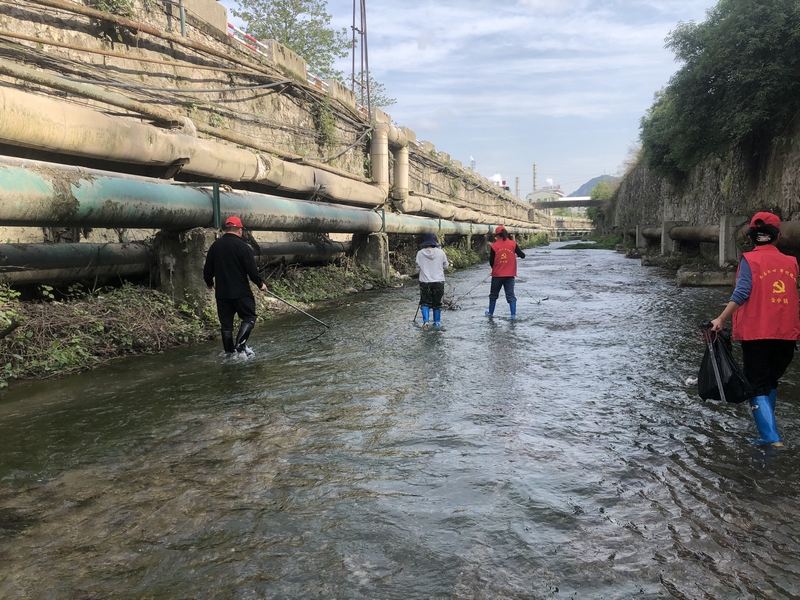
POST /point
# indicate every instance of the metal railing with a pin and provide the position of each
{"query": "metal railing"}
(255, 46)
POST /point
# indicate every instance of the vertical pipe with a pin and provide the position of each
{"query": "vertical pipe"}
(379, 155)
(400, 189)
(216, 206)
(183, 17)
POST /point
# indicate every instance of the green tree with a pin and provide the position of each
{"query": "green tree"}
(596, 215)
(739, 85)
(303, 26)
(377, 93)
(602, 191)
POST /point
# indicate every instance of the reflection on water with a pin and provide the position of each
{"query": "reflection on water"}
(557, 456)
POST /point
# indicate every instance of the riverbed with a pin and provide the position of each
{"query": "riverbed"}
(562, 455)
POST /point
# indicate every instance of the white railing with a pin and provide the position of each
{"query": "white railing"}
(256, 46)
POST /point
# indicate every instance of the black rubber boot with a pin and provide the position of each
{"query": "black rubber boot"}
(227, 341)
(244, 332)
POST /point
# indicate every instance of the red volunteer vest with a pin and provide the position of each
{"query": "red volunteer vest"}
(505, 262)
(771, 312)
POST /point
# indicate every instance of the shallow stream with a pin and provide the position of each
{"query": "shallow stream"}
(562, 455)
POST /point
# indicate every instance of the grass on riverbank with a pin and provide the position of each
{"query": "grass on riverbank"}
(67, 331)
(328, 282)
(48, 337)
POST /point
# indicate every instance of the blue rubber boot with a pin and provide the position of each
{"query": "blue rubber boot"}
(773, 396)
(492, 304)
(513, 307)
(437, 319)
(426, 315)
(765, 421)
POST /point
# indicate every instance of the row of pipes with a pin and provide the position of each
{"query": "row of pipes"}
(53, 125)
(788, 240)
(40, 194)
(45, 194)
(22, 264)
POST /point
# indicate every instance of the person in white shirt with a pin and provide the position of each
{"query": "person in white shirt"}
(432, 262)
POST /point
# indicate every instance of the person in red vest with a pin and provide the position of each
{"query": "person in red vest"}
(766, 319)
(503, 260)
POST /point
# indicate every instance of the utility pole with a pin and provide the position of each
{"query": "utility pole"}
(359, 82)
(534, 177)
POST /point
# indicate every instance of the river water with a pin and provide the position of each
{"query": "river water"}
(562, 455)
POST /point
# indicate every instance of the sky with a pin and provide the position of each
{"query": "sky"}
(509, 83)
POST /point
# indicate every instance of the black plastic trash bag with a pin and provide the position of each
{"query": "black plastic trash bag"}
(720, 376)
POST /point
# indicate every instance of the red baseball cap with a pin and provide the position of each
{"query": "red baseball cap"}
(767, 218)
(499, 229)
(234, 222)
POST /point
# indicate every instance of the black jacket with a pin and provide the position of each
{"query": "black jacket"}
(229, 263)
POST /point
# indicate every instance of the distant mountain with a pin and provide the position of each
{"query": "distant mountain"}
(587, 187)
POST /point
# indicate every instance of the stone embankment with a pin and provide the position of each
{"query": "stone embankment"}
(722, 192)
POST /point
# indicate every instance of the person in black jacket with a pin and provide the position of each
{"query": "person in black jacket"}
(229, 265)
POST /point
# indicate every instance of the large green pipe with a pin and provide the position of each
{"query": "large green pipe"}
(40, 194)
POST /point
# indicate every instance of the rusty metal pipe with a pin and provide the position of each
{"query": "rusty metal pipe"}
(652, 233)
(63, 263)
(59, 264)
(27, 257)
(789, 237)
(301, 253)
(705, 233)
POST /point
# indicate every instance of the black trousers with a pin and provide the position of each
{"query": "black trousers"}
(765, 362)
(431, 294)
(228, 307)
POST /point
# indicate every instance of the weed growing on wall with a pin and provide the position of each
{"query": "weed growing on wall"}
(117, 7)
(455, 187)
(298, 284)
(216, 120)
(460, 256)
(324, 123)
(9, 310)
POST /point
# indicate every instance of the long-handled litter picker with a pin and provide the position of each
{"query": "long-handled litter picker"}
(705, 328)
(298, 309)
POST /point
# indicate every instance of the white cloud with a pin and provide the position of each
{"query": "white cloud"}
(559, 82)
